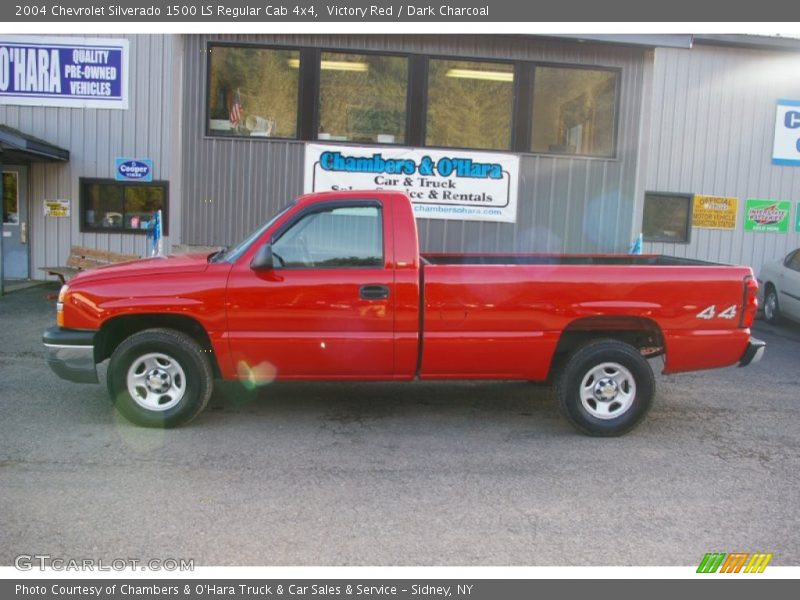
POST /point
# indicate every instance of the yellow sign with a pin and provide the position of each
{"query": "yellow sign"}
(56, 208)
(714, 212)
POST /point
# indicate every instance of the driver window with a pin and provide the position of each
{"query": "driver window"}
(346, 236)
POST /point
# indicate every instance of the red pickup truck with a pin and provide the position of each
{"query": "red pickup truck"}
(334, 287)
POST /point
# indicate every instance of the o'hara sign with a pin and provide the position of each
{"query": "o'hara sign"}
(67, 72)
(463, 185)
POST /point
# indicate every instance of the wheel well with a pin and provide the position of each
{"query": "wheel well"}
(115, 330)
(643, 334)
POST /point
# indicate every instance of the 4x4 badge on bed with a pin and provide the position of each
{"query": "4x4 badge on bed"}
(711, 312)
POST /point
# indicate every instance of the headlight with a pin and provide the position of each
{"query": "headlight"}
(62, 296)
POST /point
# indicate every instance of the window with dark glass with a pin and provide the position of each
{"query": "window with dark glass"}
(350, 236)
(470, 104)
(253, 91)
(10, 199)
(412, 100)
(574, 111)
(362, 98)
(667, 217)
(123, 207)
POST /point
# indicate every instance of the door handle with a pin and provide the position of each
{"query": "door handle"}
(373, 292)
(23, 232)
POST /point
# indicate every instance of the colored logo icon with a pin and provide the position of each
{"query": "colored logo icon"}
(735, 562)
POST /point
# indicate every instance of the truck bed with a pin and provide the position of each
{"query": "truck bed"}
(503, 315)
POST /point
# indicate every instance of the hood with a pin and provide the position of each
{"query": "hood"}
(158, 265)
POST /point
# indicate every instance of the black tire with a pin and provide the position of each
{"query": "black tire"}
(605, 388)
(772, 310)
(171, 360)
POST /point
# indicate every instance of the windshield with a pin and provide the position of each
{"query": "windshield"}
(240, 248)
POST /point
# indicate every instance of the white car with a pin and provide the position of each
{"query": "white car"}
(779, 288)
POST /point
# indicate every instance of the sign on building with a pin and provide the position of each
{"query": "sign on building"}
(767, 215)
(62, 71)
(442, 184)
(797, 217)
(786, 149)
(714, 212)
(56, 208)
(133, 169)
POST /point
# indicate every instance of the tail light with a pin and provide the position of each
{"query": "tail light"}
(750, 301)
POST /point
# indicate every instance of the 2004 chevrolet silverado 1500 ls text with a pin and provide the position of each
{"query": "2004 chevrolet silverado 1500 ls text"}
(334, 287)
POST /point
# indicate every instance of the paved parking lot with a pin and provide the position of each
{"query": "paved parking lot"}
(393, 474)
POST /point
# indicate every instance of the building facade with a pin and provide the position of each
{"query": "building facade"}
(511, 143)
(712, 132)
(93, 137)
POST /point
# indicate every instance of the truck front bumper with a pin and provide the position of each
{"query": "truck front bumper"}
(70, 354)
(753, 352)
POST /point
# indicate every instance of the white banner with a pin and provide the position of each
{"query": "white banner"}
(442, 184)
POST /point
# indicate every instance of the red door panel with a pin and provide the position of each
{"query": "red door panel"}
(322, 312)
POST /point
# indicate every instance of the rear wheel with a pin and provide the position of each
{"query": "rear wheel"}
(605, 388)
(159, 378)
(772, 312)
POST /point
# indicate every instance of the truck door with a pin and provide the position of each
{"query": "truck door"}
(326, 308)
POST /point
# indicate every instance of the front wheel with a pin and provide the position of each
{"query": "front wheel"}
(159, 378)
(605, 388)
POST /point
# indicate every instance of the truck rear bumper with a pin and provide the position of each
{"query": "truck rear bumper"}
(70, 354)
(753, 352)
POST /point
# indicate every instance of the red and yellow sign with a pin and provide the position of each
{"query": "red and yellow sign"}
(714, 212)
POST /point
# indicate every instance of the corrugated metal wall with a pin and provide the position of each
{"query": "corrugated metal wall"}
(95, 137)
(565, 204)
(712, 130)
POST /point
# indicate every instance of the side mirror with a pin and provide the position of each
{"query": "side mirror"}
(263, 260)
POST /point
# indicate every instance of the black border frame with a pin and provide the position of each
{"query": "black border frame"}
(521, 134)
(84, 181)
(690, 213)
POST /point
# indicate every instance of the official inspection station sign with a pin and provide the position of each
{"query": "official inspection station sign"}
(65, 72)
(442, 184)
(714, 212)
(56, 208)
(786, 148)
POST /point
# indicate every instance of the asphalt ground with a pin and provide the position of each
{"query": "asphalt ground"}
(397, 474)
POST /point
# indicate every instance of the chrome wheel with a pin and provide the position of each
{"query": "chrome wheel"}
(771, 306)
(607, 390)
(156, 381)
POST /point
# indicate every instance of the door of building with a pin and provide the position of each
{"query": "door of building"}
(15, 223)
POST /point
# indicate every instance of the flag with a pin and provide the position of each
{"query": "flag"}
(154, 238)
(236, 109)
(636, 247)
